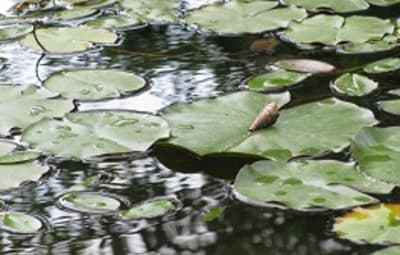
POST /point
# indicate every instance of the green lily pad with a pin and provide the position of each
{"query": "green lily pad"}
(377, 151)
(305, 66)
(114, 22)
(336, 5)
(9, 155)
(383, 66)
(384, 2)
(21, 106)
(67, 15)
(254, 16)
(155, 11)
(395, 250)
(12, 175)
(306, 184)
(19, 223)
(68, 39)
(148, 210)
(221, 126)
(276, 79)
(391, 106)
(87, 134)
(378, 224)
(10, 32)
(388, 42)
(94, 84)
(354, 85)
(336, 29)
(214, 214)
(89, 202)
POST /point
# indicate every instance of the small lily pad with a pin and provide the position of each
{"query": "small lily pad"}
(354, 85)
(276, 79)
(377, 151)
(94, 84)
(15, 31)
(89, 202)
(255, 16)
(68, 39)
(21, 106)
(305, 66)
(374, 225)
(148, 210)
(306, 184)
(19, 223)
(336, 5)
(383, 66)
(391, 106)
(83, 135)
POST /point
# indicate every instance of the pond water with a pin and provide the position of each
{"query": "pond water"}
(181, 66)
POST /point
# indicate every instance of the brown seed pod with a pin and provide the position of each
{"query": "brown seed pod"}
(267, 117)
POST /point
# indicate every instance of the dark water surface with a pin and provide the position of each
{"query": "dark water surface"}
(181, 66)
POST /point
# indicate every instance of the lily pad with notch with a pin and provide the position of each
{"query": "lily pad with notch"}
(276, 80)
(303, 185)
(354, 85)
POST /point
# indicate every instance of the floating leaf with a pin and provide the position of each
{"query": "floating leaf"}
(89, 202)
(383, 66)
(68, 39)
(392, 106)
(336, 5)
(114, 22)
(276, 79)
(306, 184)
(254, 16)
(19, 223)
(12, 175)
(336, 29)
(376, 224)
(94, 84)
(383, 2)
(305, 66)
(377, 151)
(10, 32)
(67, 15)
(387, 43)
(355, 85)
(155, 11)
(23, 106)
(395, 250)
(148, 210)
(221, 126)
(86, 134)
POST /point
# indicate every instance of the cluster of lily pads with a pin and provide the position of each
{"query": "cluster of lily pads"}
(289, 173)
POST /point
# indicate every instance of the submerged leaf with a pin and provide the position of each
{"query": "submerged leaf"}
(306, 184)
(84, 135)
(254, 16)
(354, 85)
(94, 84)
(149, 209)
(377, 224)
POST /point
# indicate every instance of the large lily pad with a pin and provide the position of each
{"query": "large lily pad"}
(336, 29)
(377, 151)
(86, 134)
(23, 106)
(375, 225)
(12, 175)
(250, 16)
(68, 39)
(14, 31)
(155, 11)
(383, 66)
(10, 155)
(94, 84)
(336, 5)
(306, 184)
(114, 22)
(355, 85)
(221, 126)
(275, 80)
